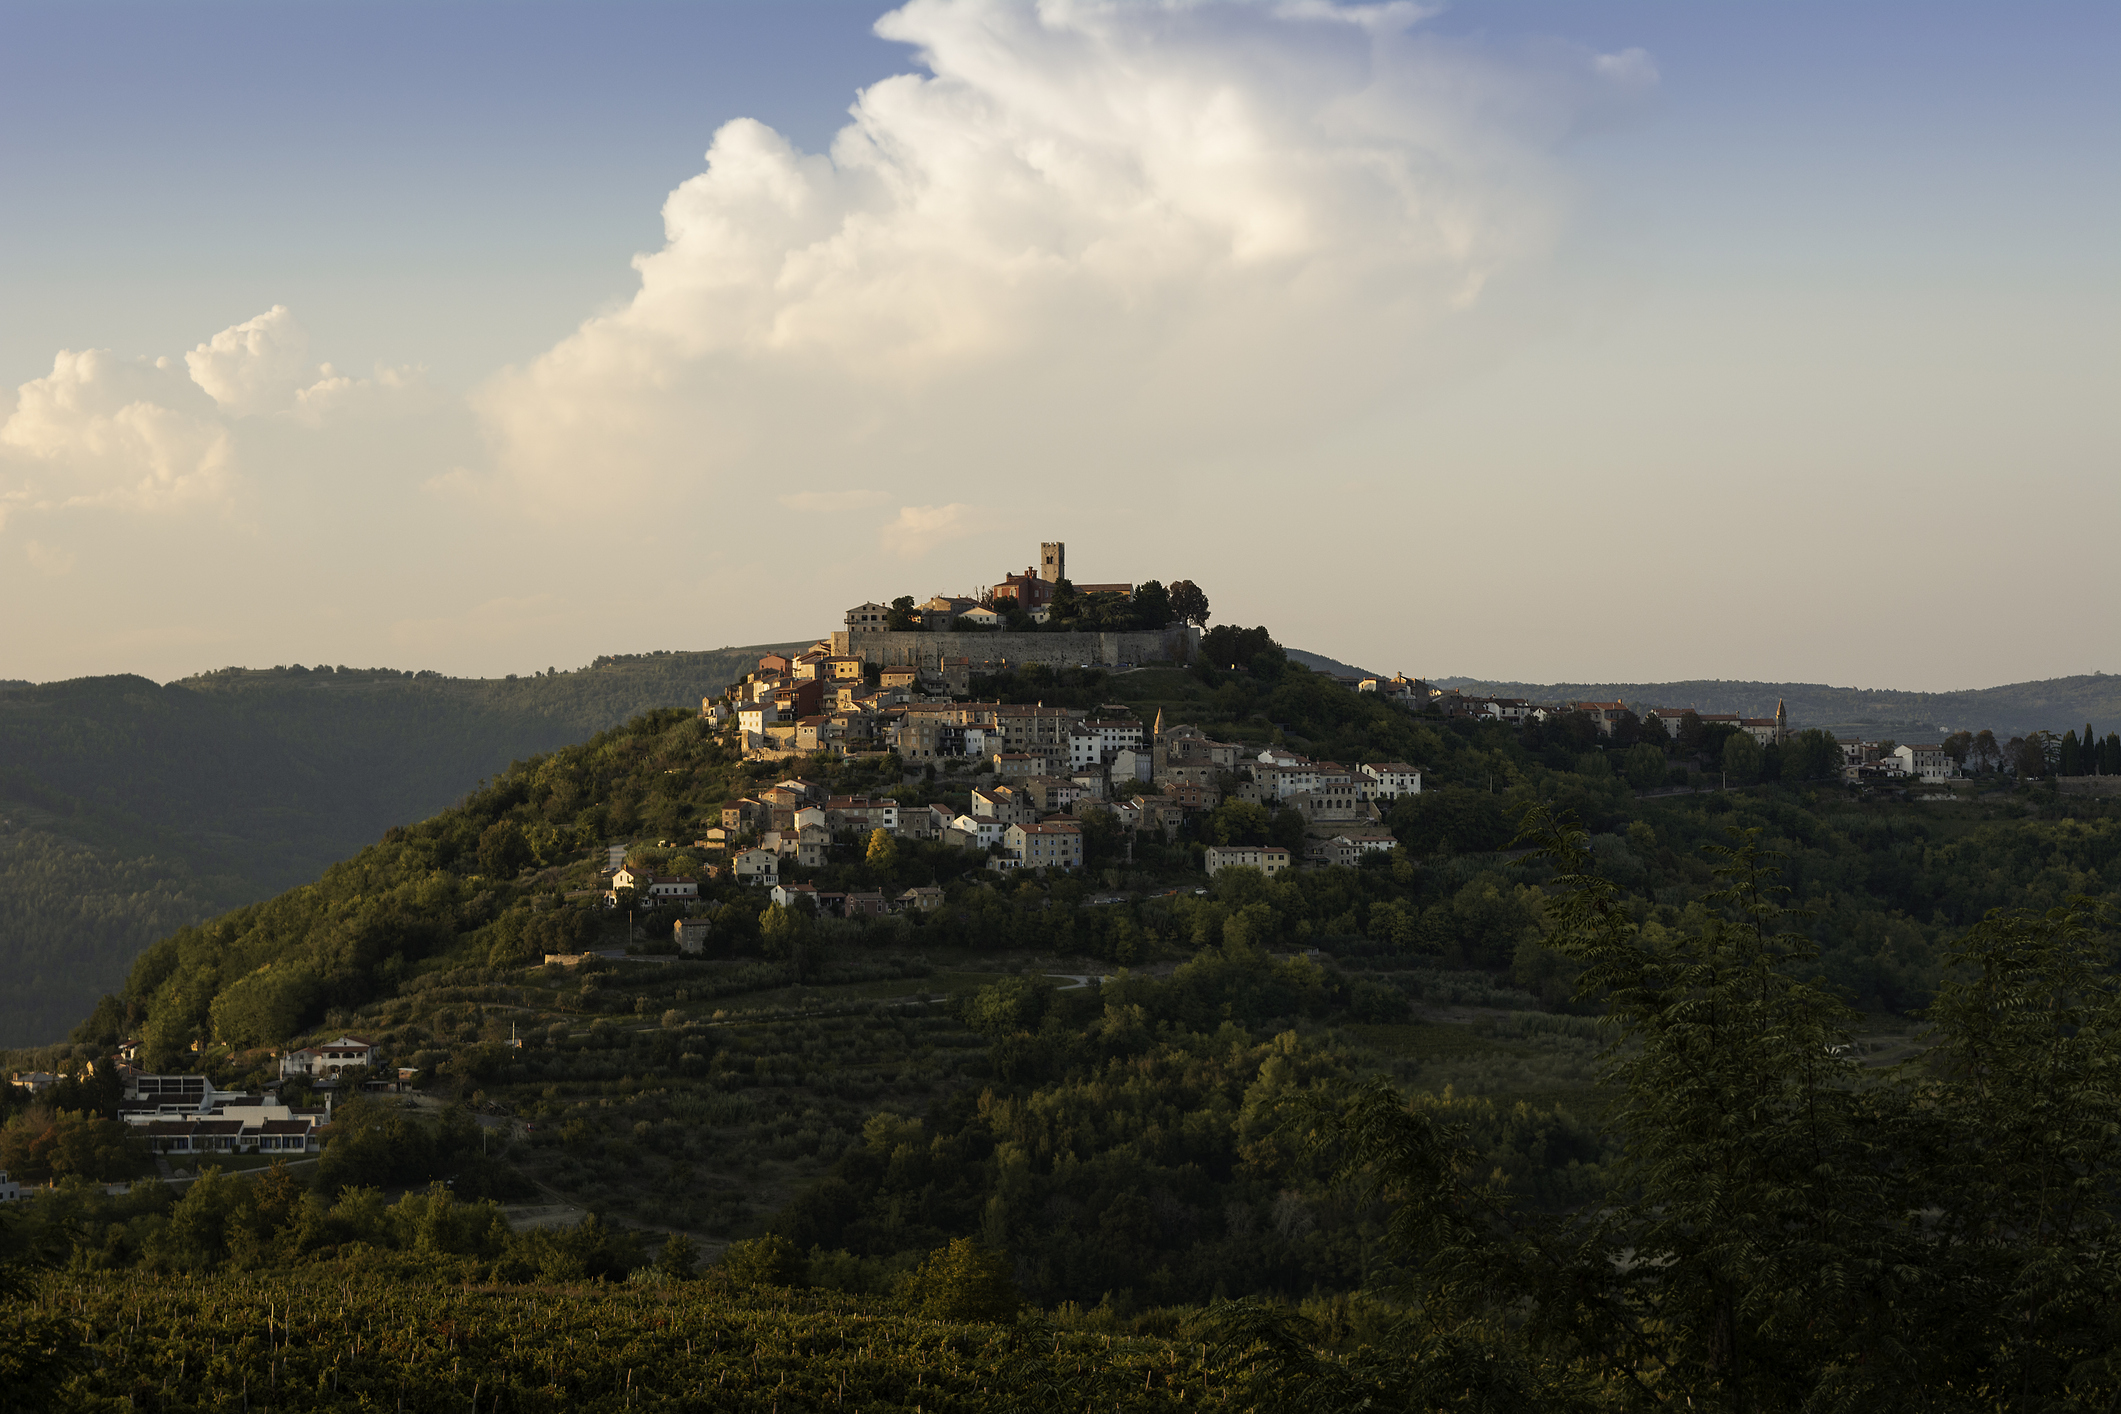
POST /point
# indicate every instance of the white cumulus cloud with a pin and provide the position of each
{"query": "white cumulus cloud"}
(153, 435)
(256, 366)
(100, 430)
(1086, 226)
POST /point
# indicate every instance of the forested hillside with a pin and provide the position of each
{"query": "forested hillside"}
(128, 808)
(2054, 704)
(1369, 1103)
(1886, 880)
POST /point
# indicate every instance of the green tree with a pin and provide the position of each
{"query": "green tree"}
(1784, 1229)
(882, 854)
(1189, 603)
(1742, 758)
(1239, 822)
(1250, 649)
(1644, 766)
(679, 1258)
(788, 935)
(503, 850)
(39, 1144)
(1985, 754)
(1103, 836)
(962, 1282)
(1693, 734)
(1811, 755)
(902, 618)
(771, 1260)
(1151, 607)
(1008, 1006)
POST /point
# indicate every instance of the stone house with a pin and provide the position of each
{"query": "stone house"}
(1045, 844)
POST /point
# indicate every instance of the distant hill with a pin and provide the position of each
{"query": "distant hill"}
(2056, 704)
(128, 808)
(1320, 663)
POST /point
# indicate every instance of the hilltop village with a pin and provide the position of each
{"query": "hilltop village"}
(899, 681)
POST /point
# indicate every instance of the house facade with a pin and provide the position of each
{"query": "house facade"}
(1388, 780)
(756, 866)
(1266, 858)
(1046, 844)
(327, 1059)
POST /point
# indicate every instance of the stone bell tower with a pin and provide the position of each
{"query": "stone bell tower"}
(1052, 561)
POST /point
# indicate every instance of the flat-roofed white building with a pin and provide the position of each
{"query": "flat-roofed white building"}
(1268, 859)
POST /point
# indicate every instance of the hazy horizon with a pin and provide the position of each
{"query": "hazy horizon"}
(1440, 678)
(1618, 343)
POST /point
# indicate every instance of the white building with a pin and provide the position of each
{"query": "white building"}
(1085, 748)
(1928, 763)
(657, 888)
(984, 832)
(1266, 858)
(1115, 734)
(1131, 764)
(756, 866)
(755, 717)
(1512, 710)
(1388, 780)
(327, 1059)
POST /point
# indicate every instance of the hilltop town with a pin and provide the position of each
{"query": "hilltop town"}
(899, 681)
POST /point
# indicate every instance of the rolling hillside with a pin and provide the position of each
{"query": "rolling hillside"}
(129, 808)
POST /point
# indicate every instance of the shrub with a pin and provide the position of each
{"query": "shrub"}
(764, 1261)
(962, 1282)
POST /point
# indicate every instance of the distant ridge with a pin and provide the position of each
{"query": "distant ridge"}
(2054, 704)
(1320, 663)
(129, 808)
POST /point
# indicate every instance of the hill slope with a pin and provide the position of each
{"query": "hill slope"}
(2055, 704)
(129, 808)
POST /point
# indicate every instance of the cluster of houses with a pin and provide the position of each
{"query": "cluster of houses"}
(1037, 770)
(1416, 695)
(186, 1115)
(1860, 758)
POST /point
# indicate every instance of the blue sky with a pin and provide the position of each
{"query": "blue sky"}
(1791, 351)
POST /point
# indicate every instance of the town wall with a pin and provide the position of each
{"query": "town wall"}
(990, 651)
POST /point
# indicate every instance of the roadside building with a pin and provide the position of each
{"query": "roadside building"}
(1266, 858)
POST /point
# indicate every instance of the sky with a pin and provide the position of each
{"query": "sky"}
(1536, 341)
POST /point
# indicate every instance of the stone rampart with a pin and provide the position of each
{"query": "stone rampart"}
(990, 651)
